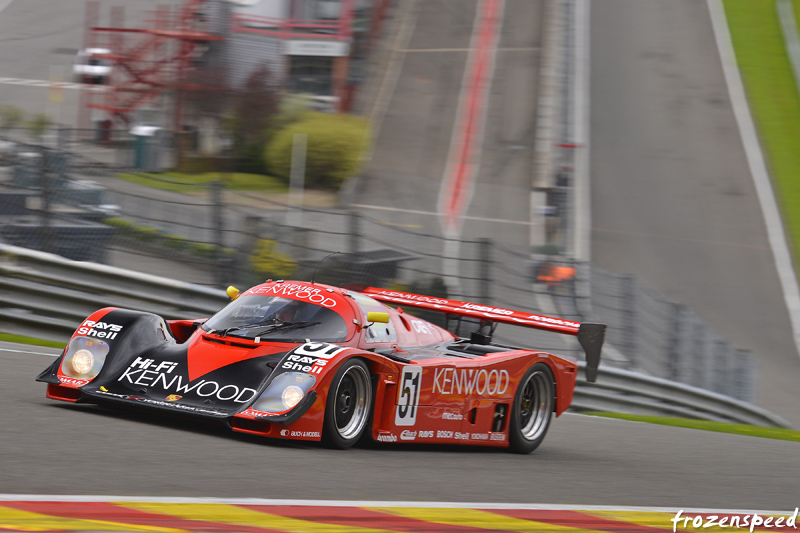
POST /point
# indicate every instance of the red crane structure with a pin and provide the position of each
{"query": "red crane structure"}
(162, 58)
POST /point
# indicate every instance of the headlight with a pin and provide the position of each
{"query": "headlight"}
(84, 358)
(291, 396)
(82, 362)
(285, 392)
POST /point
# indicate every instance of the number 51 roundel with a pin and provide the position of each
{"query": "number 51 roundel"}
(408, 396)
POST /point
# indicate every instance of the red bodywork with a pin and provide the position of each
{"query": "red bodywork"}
(433, 396)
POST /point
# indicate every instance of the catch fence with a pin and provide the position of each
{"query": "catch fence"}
(59, 201)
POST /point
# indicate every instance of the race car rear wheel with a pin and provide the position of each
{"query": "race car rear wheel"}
(348, 406)
(532, 409)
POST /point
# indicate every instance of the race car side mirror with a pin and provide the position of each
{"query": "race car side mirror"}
(377, 316)
(232, 292)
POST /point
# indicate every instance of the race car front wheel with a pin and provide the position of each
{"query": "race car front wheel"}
(348, 406)
(532, 409)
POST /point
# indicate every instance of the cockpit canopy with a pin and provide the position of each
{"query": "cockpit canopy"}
(277, 319)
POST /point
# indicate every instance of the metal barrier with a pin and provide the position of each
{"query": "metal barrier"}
(622, 391)
(46, 296)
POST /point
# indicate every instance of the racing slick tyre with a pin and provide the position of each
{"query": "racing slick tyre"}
(347, 410)
(532, 409)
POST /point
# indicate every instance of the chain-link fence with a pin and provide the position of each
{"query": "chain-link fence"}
(208, 235)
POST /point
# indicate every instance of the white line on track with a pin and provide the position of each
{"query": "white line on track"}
(758, 168)
(29, 352)
(432, 214)
(363, 503)
(395, 66)
(583, 197)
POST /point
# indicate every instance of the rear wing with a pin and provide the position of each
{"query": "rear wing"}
(590, 335)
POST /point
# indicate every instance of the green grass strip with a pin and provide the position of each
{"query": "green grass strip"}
(194, 183)
(720, 427)
(773, 97)
(20, 339)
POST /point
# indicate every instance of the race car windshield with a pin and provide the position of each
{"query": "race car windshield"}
(275, 318)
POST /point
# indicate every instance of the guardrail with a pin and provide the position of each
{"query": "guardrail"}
(623, 391)
(46, 296)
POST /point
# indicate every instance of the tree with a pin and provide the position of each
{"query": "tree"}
(255, 106)
(335, 148)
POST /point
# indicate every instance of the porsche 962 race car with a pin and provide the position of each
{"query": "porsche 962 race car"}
(307, 361)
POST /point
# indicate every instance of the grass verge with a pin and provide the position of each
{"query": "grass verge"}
(20, 339)
(188, 183)
(736, 429)
(773, 97)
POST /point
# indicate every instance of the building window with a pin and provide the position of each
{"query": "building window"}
(311, 75)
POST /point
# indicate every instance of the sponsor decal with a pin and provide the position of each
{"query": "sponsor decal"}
(408, 435)
(440, 434)
(426, 434)
(461, 436)
(298, 292)
(173, 398)
(311, 357)
(487, 309)
(73, 381)
(497, 436)
(554, 321)
(101, 330)
(306, 434)
(447, 415)
(179, 406)
(255, 412)
(319, 349)
(479, 436)
(421, 327)
(408, 396)
(146, 373)
(387, 438)
(414, 297)
(469, 380)
(105, 392)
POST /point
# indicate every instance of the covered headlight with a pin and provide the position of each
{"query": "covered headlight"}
(285, 392)
(82, 362)
(291, 396)
(84, 358)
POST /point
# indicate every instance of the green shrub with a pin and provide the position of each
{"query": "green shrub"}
(37, 125)
(10, 116)
(268, 262)
(120, 223)
(335, 148)
(203, 249)
(147, 233)
(175, 242)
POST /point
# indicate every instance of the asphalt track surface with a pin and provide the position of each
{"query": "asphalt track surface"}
(409, 159)
(50, 447)
(672, 197)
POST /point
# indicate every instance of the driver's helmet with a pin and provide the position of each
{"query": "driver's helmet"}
(288, 312)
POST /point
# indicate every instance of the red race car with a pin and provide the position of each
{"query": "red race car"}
(307, 361)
